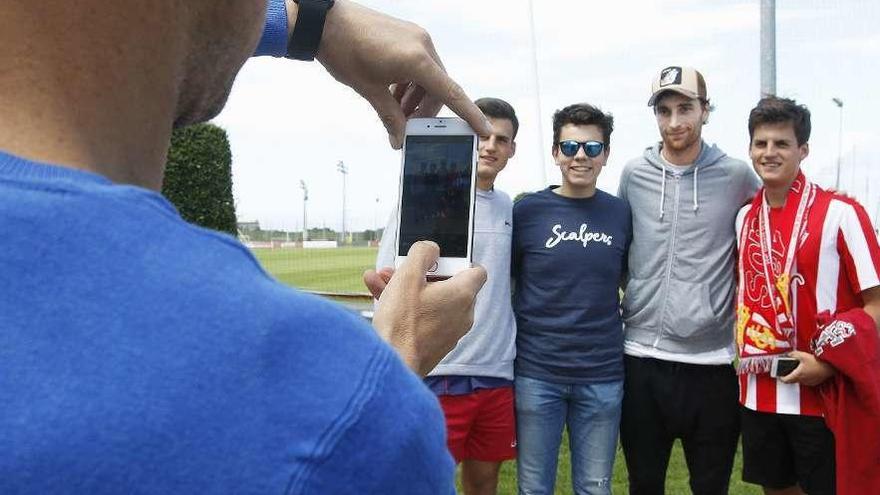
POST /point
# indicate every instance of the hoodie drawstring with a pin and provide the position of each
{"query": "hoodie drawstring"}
(662, 186)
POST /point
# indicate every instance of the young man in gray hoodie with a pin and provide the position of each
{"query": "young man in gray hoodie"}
(678, 301)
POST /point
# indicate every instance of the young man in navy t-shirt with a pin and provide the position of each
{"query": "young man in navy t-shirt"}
(569, 254)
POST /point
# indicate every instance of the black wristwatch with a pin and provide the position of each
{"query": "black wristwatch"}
(306, 36)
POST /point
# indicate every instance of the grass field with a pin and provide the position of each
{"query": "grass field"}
(323, 270)
(676, 478)
(340, 270)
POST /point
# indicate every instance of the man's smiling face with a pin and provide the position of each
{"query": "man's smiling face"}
(580, 171)
(776, 155)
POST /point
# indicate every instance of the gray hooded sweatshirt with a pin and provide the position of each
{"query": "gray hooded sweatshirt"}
(680, 289)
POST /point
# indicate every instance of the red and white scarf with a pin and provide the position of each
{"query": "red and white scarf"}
(765, 324)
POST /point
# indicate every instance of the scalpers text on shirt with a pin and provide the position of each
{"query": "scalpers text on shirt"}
(582, 236)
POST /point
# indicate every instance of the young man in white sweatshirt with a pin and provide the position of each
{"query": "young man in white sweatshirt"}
(474, 382)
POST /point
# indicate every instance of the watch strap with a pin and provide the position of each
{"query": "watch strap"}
(306, 36)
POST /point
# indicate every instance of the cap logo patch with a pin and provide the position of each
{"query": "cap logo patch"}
(670, 75)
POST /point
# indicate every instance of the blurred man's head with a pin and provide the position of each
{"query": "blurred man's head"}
(98, 86)
(223, 35)
(181, 53)
(779, 134)
(681, 106)
(496, 149)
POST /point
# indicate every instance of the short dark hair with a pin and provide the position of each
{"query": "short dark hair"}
(583, 114)
(498, 109)
(776, 110)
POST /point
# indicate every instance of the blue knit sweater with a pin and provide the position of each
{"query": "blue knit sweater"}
(140, 354)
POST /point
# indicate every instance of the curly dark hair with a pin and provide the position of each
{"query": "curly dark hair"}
(583, 114)
(776, 110)
(498, 109)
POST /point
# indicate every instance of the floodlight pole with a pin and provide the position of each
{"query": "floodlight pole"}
(305, 189)
(768, 48)
(539, 112)
(342, 169)
(839, 103)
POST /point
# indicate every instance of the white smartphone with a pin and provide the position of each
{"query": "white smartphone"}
(782, 366)
(437, 187)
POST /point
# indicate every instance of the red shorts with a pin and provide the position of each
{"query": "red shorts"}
(481, 425)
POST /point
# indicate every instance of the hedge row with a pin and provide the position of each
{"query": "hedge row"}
(198, 177)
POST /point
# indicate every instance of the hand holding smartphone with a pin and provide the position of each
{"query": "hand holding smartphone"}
(424, 321)
(783, 366)
(437, 188)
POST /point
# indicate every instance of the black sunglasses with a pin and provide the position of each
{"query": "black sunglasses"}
(591, 148)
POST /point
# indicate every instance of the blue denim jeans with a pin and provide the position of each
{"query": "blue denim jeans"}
(592, 414)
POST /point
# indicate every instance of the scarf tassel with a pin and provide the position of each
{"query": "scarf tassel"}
(755, 365)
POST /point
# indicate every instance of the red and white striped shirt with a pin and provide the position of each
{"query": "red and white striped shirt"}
(839, 259)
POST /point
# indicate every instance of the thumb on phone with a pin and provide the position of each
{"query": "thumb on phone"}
(423, 321)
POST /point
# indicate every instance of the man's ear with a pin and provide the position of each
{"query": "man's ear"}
(805, 151)
(512, 148)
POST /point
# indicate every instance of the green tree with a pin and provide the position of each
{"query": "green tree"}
(521, 196)
(198, 177)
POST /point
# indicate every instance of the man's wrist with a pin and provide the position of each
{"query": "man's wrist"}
(306, 22)
(413, 363)
(406, 353)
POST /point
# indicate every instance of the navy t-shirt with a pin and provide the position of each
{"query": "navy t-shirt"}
(569, 255)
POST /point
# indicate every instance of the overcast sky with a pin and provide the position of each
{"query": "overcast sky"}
(290, 121)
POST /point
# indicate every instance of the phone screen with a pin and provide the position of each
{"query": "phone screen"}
(784, 366)
(436, 196)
